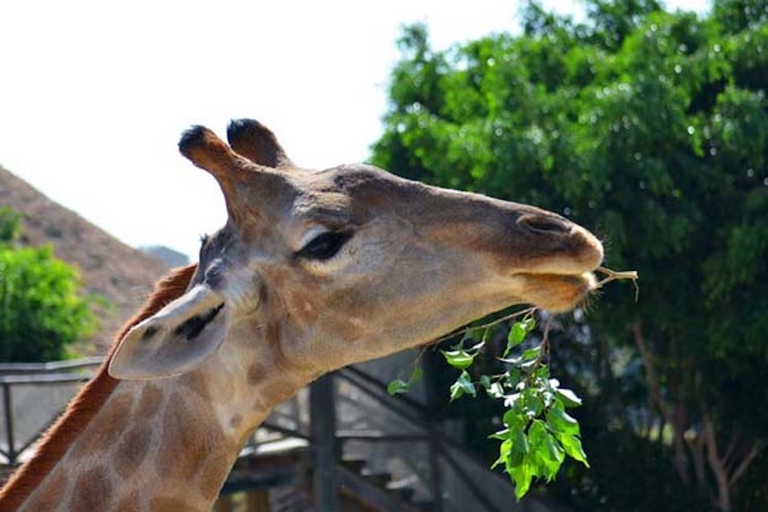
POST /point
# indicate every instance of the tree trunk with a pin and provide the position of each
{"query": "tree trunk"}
(723, 499)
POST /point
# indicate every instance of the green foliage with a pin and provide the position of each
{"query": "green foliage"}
(399, 386)
(650, 128)
(537, 433)
(41, 310)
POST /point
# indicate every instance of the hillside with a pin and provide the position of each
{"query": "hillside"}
(121, 274)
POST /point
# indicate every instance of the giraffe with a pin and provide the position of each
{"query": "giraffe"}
(314, 270)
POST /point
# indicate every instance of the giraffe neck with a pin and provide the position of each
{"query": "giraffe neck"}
(155, 446)
(161, 446)
(152, 447)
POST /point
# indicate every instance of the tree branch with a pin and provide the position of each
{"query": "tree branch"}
(729, 452)
(715, 463)
(650, 370)
(696, 446)
(675, 417)
(754, 451)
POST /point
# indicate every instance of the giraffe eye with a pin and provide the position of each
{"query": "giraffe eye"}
(325, 246)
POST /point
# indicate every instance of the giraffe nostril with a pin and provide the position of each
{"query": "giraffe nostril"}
(545, 224)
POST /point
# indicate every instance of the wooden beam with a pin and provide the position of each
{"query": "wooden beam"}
(258, 501)
(322, 410)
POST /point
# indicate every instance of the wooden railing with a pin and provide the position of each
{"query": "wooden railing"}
(46, 375)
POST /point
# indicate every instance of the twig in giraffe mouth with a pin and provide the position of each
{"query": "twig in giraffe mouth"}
(612, 275)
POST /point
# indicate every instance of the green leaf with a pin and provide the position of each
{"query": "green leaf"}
(462, 385)
(460, 359)
(547, 453)
(533, 401)
(522, 476)
(519, 447)
(501, 435)
(560, 421)
(416, 375)
(485, 381)
(496, 390)
(515, 337)
(504, 448)
(572, 446)
(512, 378)
(529, 324)
(569, 398)
(515, 419)
(532, 353)
(513, 449)
(397, 386)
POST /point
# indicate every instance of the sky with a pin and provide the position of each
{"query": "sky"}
(94, 94)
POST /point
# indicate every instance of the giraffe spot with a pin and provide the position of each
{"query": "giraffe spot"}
(47, 497)
(171, 504)
(197, 383)
(189, 437)
(274, 333)
(92, 490)
(132, 450)
(235, 421)
(105, 428)
(151, 396)
(255, 373)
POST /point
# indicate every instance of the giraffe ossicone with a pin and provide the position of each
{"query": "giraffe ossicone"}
(314, 270)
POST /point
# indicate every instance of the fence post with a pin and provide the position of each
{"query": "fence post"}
(434, 446)
(9, 424)
(322, 409)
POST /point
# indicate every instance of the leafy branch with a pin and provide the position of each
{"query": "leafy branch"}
(537, 432)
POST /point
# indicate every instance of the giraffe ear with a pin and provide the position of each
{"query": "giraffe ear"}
(175, 340)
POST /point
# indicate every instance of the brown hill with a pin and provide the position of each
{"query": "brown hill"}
(109, 268)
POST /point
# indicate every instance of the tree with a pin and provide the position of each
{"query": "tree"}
(41, 309)
(651, 128)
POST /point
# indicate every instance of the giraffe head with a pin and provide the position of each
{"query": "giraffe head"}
(346, 264)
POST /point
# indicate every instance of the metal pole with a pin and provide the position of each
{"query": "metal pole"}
(322, 409)
(434, 446)
(9, 424)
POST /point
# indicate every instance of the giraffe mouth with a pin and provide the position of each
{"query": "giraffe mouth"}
(557, 293)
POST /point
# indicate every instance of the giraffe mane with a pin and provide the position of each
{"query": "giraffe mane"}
(87, 402)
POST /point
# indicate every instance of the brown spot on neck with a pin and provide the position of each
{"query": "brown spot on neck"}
(92, 488)
(86, 404)
(235, 421)
(255, 373)
(132, 450)
(151, 397)
(197, 383)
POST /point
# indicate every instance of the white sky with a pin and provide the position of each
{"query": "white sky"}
(94, 94)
